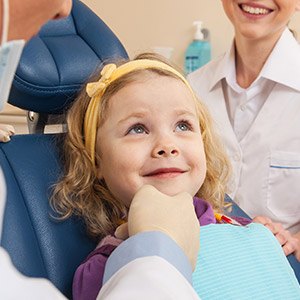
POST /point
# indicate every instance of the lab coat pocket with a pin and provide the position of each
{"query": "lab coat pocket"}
(283, 197)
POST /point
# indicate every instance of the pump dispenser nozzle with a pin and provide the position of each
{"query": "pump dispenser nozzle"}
(198, 51)
(198, 32)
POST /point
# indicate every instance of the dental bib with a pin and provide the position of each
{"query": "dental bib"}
(237, 262)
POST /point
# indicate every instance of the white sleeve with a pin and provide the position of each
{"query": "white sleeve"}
(14, 285)
(146, 278)
(148, 265)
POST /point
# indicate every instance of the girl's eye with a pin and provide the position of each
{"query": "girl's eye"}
(137, 129)
(183, 126)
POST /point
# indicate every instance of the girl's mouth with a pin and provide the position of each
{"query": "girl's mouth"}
(254, 10)
(165, 173)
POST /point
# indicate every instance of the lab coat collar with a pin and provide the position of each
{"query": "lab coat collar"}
(283, 64)
(226, 67)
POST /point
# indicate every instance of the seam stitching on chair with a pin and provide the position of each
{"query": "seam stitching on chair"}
(53, 90)
(55, 63)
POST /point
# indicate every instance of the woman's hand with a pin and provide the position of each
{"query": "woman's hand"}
(6, 131)
(290, 242)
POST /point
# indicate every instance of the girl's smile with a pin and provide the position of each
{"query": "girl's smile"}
(165, 173)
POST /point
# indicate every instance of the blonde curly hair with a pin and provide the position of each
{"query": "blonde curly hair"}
(79, 191)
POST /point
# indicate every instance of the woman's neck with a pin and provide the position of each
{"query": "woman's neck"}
(250, 58)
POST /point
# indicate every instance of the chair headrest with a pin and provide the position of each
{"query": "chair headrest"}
(55, 63)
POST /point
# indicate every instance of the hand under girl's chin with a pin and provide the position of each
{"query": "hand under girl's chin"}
(170, 190)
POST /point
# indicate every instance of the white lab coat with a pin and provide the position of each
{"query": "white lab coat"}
(148, 278)
(266, 162)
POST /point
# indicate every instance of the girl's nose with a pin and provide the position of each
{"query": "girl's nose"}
(165, 150)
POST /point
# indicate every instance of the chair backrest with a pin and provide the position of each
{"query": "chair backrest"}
(53, 68)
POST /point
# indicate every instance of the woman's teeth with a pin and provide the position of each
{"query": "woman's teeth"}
(254, 10)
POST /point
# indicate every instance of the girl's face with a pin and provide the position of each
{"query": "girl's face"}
(260, 19)
(151, 136)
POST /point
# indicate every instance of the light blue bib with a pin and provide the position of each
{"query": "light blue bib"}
(242, 263)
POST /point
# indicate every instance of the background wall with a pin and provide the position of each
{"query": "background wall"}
(143, 24)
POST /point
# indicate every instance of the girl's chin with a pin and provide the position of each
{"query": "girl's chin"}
(171, 191)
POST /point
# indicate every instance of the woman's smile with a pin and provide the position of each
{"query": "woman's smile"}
(255, 11)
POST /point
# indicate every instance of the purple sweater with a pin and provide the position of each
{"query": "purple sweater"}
(88, 277)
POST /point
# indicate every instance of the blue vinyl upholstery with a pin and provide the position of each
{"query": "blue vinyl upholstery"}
(39, 245)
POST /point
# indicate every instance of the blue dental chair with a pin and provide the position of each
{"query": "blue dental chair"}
(54, 66)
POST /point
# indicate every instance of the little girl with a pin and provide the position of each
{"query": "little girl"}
(140, 123)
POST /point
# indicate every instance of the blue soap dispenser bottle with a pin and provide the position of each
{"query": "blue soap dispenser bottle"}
(198, 53)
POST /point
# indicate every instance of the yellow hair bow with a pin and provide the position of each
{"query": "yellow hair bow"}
(94, 89)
